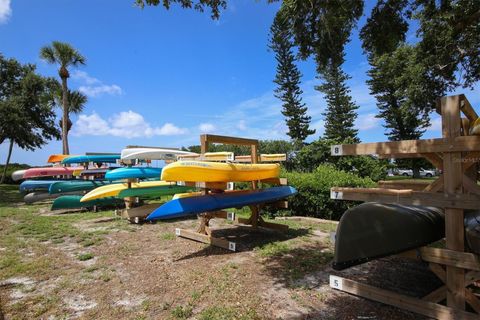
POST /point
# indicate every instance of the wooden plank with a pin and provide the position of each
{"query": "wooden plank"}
(469, 160)
(426, 308)
(467, 109)
(273, 157)
(276, 181)
(434, 159)
(401, 156)
(437, 295)
(399, 184)
(211, 138)
(439, 145)
(218, 242)
(435, 186)
(470, 186)
(454, 224)
(472, 300)
(407, 197)
(447, 257)
(465, 127)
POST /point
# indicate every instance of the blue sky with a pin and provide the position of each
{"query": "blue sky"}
(160, 78)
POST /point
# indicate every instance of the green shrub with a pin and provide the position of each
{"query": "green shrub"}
(11, 168)
(313, 197)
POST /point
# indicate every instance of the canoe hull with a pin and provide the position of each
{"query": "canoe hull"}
(203, 171)
(32, 185)
(151, 154)
(133, 173)
(107, 158)
(75, 185)
(374, 230)
(49, 172)
(472, 231)
(40, 196)
(18, 175)
(212, 202)
(153, 192)
(73, 202)
(114, 189)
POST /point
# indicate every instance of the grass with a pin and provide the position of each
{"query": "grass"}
(182, 312)
(273, 249)
(85, 256)
(227, 313)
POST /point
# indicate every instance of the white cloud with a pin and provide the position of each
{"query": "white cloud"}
(5, 11)
(367, 121)
(206, 127)
(82, 75)
(93, 87)
(126, 124)
(242, 125)
(95, 91)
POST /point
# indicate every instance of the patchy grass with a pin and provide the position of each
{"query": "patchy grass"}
(85, 256)
(167, 236)
(273, 249)
(182, 312)
(227, 313)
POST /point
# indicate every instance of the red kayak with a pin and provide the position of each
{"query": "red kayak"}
(49, 172)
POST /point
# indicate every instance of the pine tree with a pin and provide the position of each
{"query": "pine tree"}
(341, 112)
(288, 81)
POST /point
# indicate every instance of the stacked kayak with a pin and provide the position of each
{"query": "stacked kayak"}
(194, 204)
(133, 173)
(203, 171)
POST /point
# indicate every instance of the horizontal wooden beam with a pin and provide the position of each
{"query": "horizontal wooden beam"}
(407, 197)
(426, 308)
(457, 144)
(467, 109)
(416, 185)
(465, 260)
(211, 138)
(218, 242)
(166, 148)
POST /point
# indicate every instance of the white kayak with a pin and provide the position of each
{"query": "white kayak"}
(33, 197)
(152, 154)
(18, 175)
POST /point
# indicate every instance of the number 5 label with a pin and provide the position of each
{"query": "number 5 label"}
(336, 282)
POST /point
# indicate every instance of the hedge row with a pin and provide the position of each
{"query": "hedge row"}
(313, 197)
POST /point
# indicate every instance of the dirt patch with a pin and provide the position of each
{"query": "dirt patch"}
(146, 272)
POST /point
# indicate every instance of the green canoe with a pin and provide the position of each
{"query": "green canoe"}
(73, 202)
(76, 185)
(152, 192)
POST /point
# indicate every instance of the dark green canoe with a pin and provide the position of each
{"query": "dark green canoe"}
(73, 202)
(152, 192)
(76, 185)
(374, 230)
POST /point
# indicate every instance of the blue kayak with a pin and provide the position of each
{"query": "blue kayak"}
(31, 185)
(197, 204)
(133, 172)
(97, 158)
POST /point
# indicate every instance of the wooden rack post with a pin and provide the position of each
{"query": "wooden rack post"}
(457, 155)
(203, 232)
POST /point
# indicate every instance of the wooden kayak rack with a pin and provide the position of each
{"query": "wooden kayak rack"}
(457, 154)
(203, 233)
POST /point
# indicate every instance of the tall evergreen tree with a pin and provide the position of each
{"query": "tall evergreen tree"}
(288, 81)
(340, 113)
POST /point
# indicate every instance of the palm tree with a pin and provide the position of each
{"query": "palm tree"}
(76, 103)
(64, 55)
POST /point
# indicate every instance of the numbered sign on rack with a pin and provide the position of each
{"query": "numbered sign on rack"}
(336, 195)
(336, 150)
(336, 282)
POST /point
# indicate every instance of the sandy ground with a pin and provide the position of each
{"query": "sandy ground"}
(145, 272)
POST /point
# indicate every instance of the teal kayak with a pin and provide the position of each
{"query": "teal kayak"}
(73, 202)
(98, 158)
(75, 185)
(133, 173)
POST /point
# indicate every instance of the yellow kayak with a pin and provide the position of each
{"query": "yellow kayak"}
(112, 190)
(203, 171)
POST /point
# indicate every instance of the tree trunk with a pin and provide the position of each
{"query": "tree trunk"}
(10, 148)
(65, 116)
